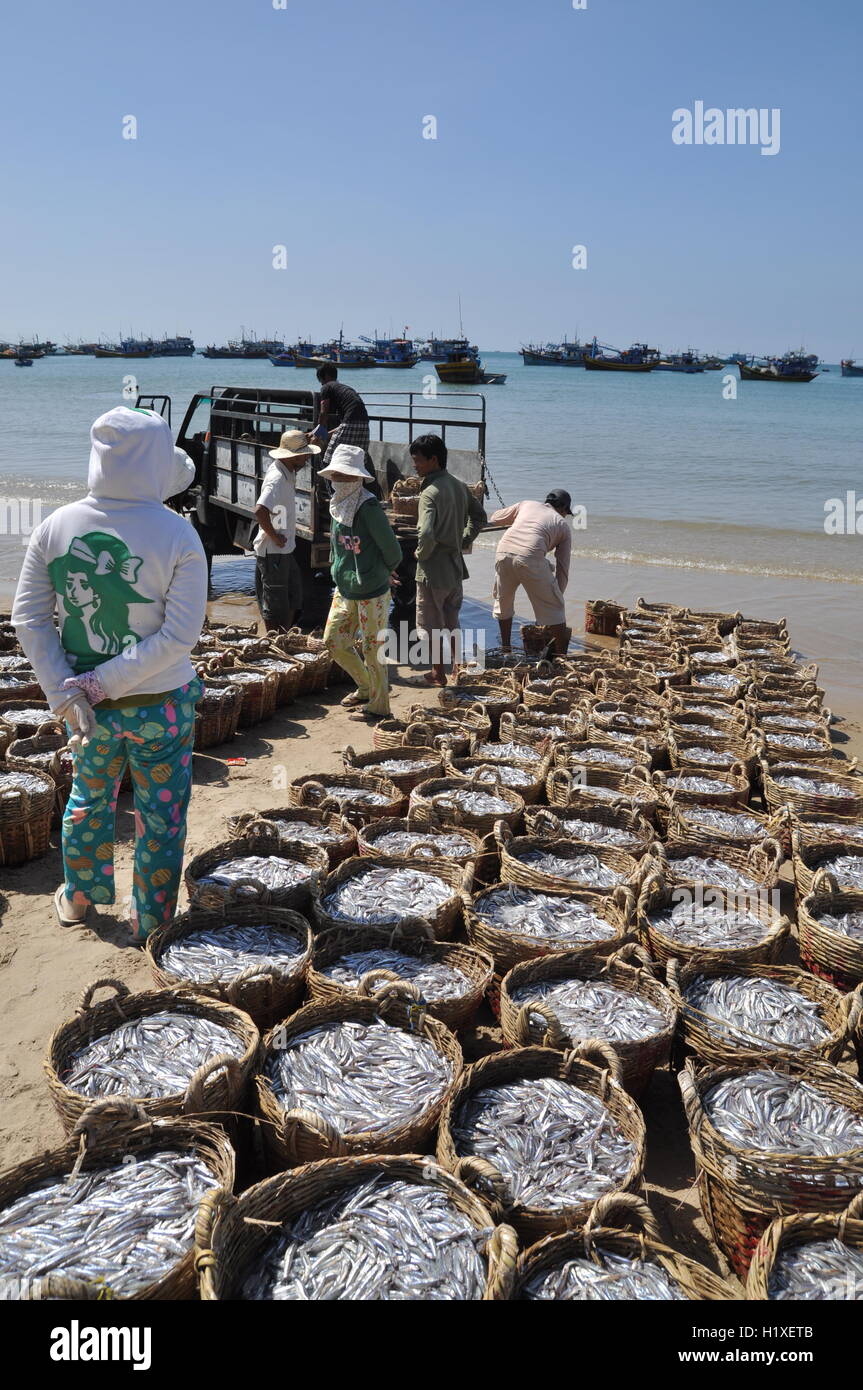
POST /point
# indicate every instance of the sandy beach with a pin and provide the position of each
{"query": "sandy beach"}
(45, 969)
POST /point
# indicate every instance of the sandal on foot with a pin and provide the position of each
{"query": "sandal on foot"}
(63, 920)
(354, 699)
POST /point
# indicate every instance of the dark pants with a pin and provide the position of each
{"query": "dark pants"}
(279, 588)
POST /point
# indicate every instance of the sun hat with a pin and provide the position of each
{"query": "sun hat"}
(560, 499)
(348, 460)
(293, 442)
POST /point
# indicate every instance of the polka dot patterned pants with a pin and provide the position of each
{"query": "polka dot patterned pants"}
(156, 741)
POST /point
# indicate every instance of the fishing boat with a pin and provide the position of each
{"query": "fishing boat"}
(638, 358)
(174, 347)
(393, 352)
(713, 364)
(442, 349)
(563, 354)
(23, 361)
(107, 350)
(850, 367)
(687, 362)
(467, 371)
(792, 366)
(247, 349)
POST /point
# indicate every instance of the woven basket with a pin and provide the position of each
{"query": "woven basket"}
(314, 789)
(812, 861)
(488, 773)
(630, 970)
(655, 898)
(315, 664)
(743, 1190)
(263, 993)
(215, 896)
(545, 825)
(20, 685)
(217, 1087)
(635, 789)
(571, 754)
(696, 693)
(446, 918)
(25, 818)
(732, 788)
(273, 821)
(681, 826)
(592, 1067)
(231, 1241)
(230, 632)
(287, 672)
(433, 800)
(604, 1232)
(537, 637)
(830, 954)
(260, 690)
(510, 948)
(298, 1136)
(807, 826)
(429, 763)
(369, 835)
(495, 693)
(456, 1011)
(513, 869)
(760, 627)
(790, 1232)
(761, 863)
(111, 1132)
(405, 500)
(538, 727)
(849, 803)
(46, 751)
(734, 753)
(10, 717)
(771, 749)
(217, 717)
(602, 616)
(840, 1013)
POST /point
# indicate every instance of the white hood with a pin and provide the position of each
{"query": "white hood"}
(184, 474)
(132, 457)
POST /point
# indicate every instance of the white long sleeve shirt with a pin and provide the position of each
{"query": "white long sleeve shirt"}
(534, 529)
(125, 577)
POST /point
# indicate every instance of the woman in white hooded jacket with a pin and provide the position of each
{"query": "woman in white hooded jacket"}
(127, 581)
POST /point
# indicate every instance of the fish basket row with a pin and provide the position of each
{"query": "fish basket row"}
(810, 1256)
(771, 1139)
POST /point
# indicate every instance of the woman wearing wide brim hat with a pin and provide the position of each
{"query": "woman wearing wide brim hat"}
(364, 553)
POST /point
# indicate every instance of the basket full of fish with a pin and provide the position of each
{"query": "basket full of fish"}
(26, 809)
(367, 892)
(731, 1011)
(325, 829)
(114, 1207)
(721, 865)
(447, 978)
(250, 955)
(728, 787)
(542, 1134)
(171, 1050)
(473, 802)
(723, 825)
(360, 1229)
(707, 921)
(46, 751)
(357, 1074)
(533, 862)
(828, 789)
(405, 767)
(359, 796)
(810, 1257)
(260, 867)
(830, 933)
(397, 838)
(771, 1138)
(616, 1255)
(835, 866)
(632, 791)
(592, 824)
(562, 1000)
(217, 713)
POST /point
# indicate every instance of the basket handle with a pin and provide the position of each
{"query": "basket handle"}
(295, 1121)
(49, 729)
(824, 882)
(262, 894)
(501, 1253)
(546, 823)
(554, 1035)
(312, 786)
(598, 1053)
(689, 1095)
(375, 982)
(672, 975)
(121, 991)
(412, 927)
(349, 756)
(634, 956)
(193, 1101)
(737, 769)
(422, 845)
(503, 834)
(853, 1211)
(650, 884)
(473, 1170)
(852, 1007)
(617, 1210)
(248, 823)
(122, 1109)
(624, 900)
(210, 1209)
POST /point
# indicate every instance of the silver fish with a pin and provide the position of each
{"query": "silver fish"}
(606, 1276)
(555, 1145)
(13, 780)
(595, 833)
(126, 1224)
(779, 1114)
(474, 803)
(816, 786)
(306, 831)
(526, 912)
(357, 796)
(818, 1270)
(689, 782)
(151, 1057)
(222, 953)
(715, 927)
(379, 1239)
(382, 894)
(716, 757)
(508, 752)
(833, 830)
(269, 871)
(847, 869)
(403, 765)
(739, 824)
(696, 868)
(755, 1012)
(434, 978)
(585, 869)
(361, 1077)
(847, 923)
(450, 844)
(592, 1009)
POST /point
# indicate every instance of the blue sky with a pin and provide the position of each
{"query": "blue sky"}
(303, 127)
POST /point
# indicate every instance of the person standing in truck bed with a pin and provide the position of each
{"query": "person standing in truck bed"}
(342, 414)
(534, 529)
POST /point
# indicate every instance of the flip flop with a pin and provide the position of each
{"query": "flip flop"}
(367, 716)
(66, 921)
(351, 701)
(426, 682)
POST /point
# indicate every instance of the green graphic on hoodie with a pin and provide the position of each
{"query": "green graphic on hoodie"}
(94, 582)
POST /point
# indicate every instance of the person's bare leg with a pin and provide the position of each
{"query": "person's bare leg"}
(505, 625)
(561, 637)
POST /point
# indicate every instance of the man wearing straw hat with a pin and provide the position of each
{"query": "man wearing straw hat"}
(278, 581)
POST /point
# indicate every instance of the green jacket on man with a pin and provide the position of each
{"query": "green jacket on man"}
(450, 519)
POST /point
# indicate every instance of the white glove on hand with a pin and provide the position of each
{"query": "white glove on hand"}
(80, 717)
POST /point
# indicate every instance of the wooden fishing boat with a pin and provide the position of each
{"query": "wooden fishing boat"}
(850, 367)
(563, 354)
(687, 362)
(794, 366)
(468, 371)
(638, 358)
(23, 361)
(612, 364)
